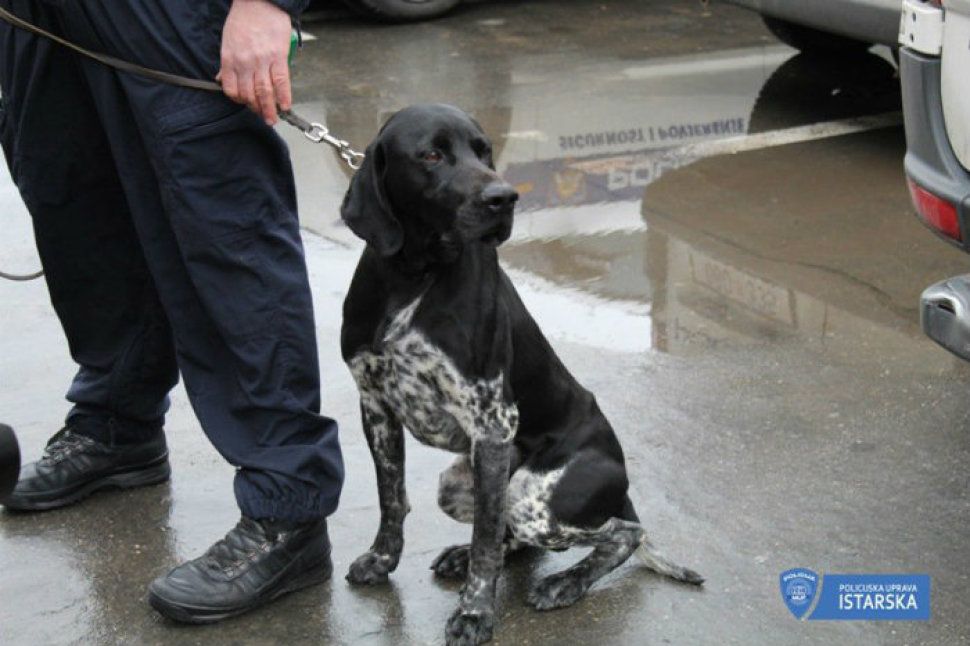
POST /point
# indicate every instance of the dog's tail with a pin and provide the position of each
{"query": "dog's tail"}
(652, 558)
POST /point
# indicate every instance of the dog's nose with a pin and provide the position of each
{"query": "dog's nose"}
(499, 196)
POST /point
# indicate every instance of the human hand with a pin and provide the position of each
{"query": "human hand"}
(255, 46)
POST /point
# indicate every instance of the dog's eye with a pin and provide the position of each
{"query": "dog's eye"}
(432, 156)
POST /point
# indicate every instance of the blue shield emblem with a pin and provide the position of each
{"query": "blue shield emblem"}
(798, 588)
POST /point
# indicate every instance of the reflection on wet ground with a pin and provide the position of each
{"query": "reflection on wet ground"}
(583, 222)
(747, 321)
(583, 132)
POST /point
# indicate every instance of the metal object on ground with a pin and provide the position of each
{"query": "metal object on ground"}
(945, 314)
(9, 461)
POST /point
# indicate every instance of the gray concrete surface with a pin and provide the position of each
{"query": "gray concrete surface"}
(748, 323)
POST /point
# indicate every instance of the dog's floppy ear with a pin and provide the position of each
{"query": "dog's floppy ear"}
(365, 208)
(491, 161)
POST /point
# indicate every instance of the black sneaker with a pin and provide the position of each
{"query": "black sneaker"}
(75, 466)
(257, 562)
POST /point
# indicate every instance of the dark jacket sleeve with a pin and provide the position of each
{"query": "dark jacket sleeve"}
(292, 7)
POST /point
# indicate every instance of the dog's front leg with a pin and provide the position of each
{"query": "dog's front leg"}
(473, 620)
(385, 437)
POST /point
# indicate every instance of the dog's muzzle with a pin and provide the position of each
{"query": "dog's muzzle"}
(499, 199)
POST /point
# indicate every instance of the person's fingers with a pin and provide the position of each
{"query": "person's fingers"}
(230, 84)
(265, 96)
(247, 90)
(255, 41)
(280, 76)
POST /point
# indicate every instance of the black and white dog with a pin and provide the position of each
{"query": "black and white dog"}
(439, 342)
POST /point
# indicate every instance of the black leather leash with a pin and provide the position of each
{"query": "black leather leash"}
(111, 61)
(314, 131)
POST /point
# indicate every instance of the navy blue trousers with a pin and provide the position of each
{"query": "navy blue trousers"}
(167, 226)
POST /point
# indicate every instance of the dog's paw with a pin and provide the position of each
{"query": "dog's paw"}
(468, 629)
(452, 563)
(688, 575)
(557, 591)
(370, 568)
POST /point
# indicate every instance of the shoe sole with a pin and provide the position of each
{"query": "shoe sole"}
(189, 614)
(143, 476)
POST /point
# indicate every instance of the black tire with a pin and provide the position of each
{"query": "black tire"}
(810, 89)
(401, 10)
(812, 41)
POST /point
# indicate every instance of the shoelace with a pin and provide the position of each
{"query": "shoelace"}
(241, 546)
(64, 443)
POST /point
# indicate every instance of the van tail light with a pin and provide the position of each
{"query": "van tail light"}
(939, 214)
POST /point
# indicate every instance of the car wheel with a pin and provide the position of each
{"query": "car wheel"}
(812, 41)
(401, 10)
(810, 89)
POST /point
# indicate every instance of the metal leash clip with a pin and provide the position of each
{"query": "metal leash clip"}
(317, 133)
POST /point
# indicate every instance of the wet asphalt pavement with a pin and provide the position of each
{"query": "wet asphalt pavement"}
(747, 320)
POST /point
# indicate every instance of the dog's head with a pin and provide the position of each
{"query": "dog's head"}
(428, 179)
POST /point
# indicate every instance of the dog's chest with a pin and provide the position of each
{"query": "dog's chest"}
(424, 389)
